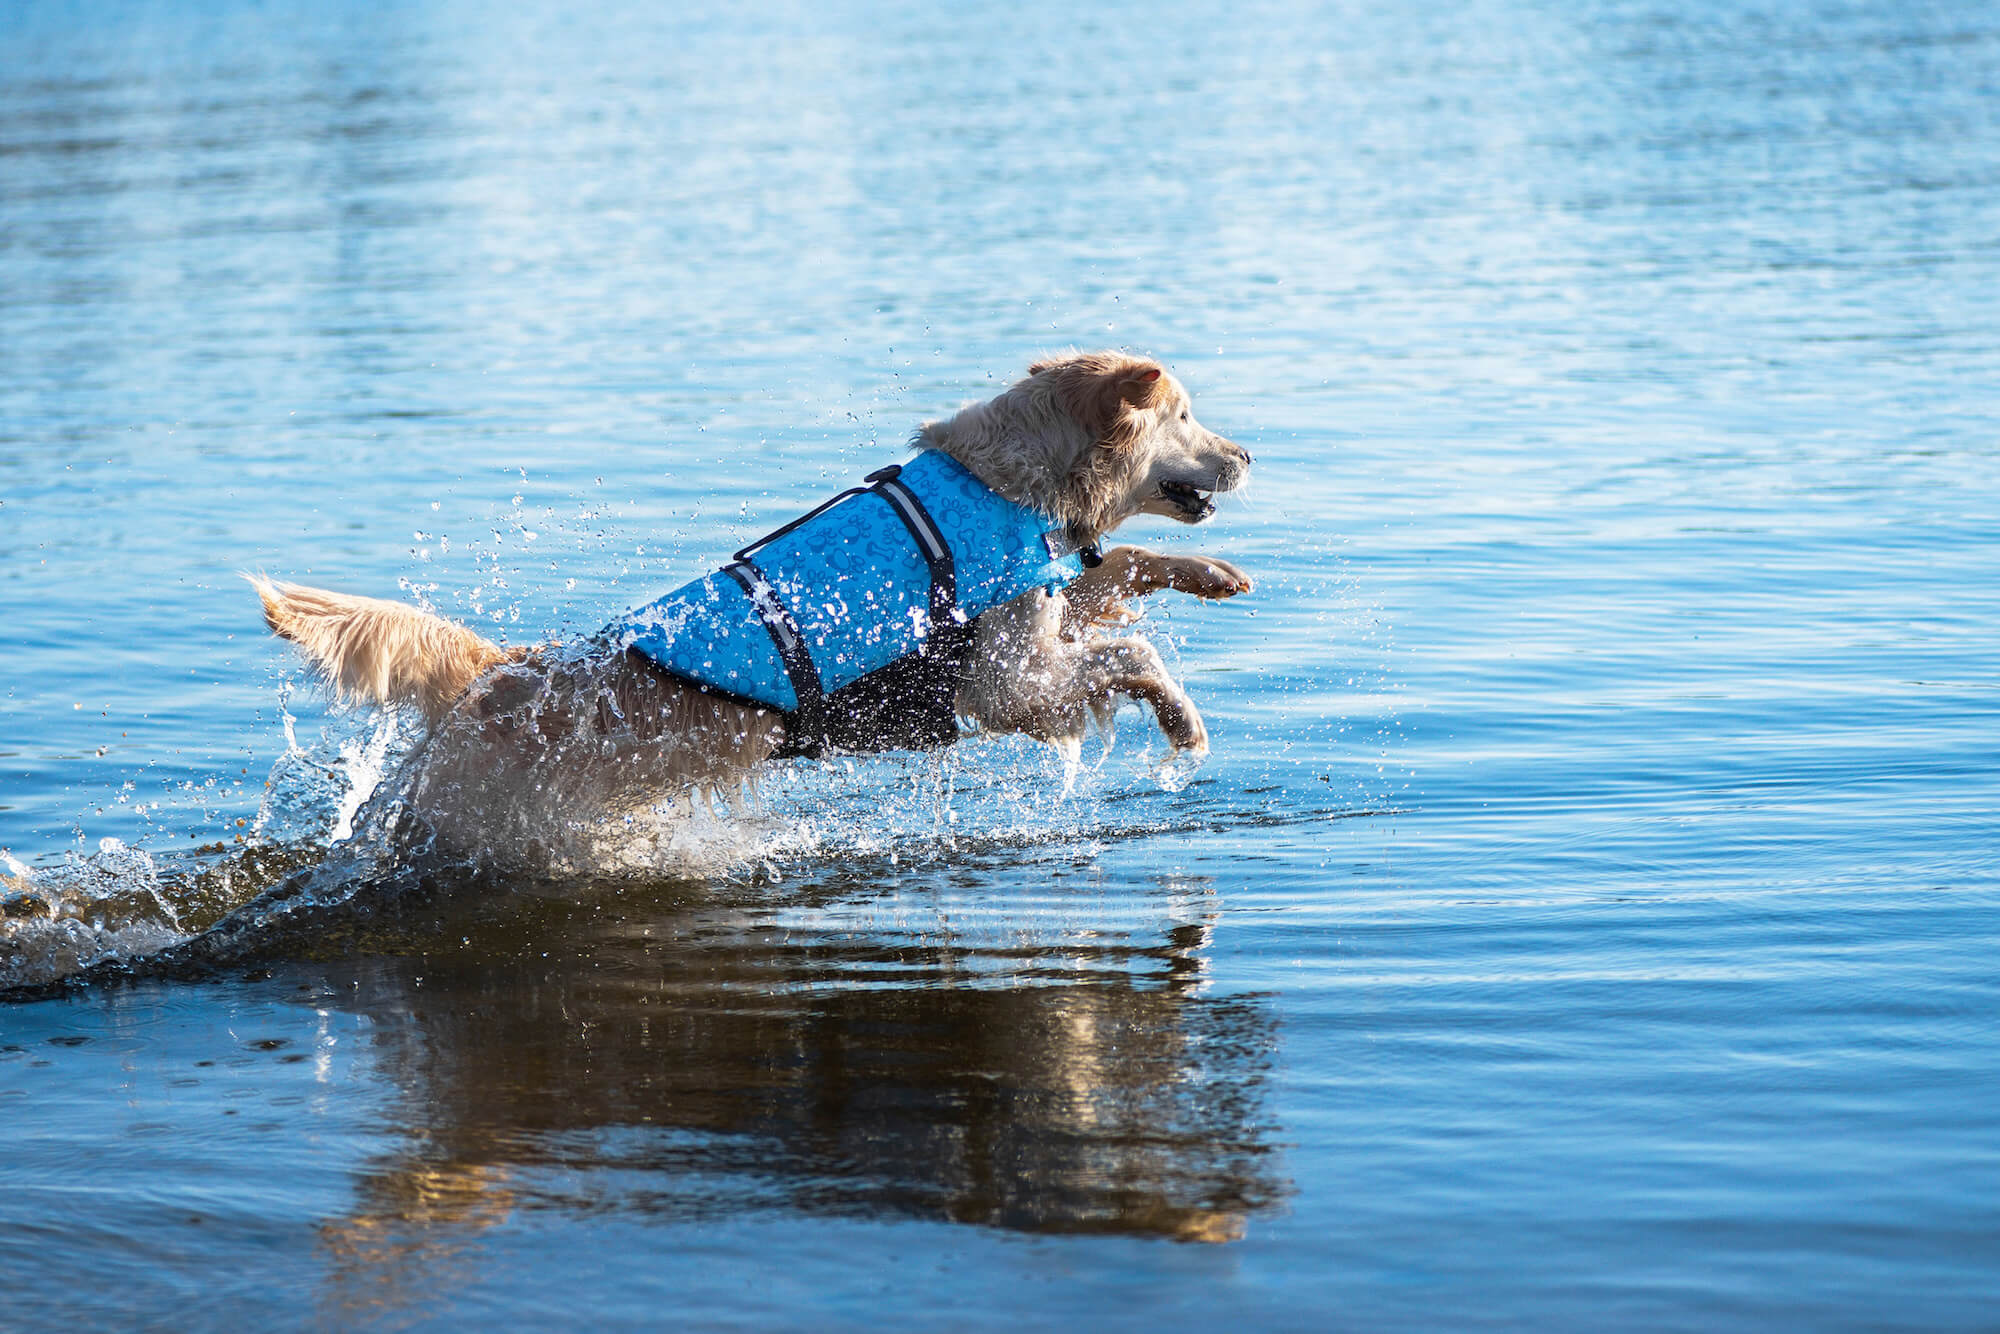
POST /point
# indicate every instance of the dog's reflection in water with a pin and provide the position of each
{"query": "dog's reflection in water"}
(693, 1065)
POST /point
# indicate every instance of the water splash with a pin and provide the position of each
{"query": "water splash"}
(313, 795)
(84, 909)
(123, 903)
(344, 827)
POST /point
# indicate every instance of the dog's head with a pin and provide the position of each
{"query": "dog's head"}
(1093, 438)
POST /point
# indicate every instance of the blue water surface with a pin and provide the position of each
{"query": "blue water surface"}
(1586, 919)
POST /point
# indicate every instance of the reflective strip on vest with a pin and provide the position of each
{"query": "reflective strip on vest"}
(853, 583)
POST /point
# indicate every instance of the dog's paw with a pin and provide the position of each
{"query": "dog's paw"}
(1203, 576)
(1182, 723)
(1179, 768)
(1117, 614)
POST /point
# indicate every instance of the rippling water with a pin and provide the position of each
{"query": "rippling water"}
(1586, 918)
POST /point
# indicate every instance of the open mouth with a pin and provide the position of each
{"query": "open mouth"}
(1192, 502)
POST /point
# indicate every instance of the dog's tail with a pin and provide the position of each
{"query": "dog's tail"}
(372, 651)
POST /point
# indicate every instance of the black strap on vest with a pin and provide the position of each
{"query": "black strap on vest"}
(923, 531)
(791, 645)
(930, 544)
(811, 727)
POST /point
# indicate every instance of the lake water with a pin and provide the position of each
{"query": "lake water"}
(1587, 917)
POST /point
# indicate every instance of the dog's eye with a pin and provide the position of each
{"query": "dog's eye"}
(1183, 416)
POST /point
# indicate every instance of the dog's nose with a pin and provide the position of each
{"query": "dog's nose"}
(1246, 454)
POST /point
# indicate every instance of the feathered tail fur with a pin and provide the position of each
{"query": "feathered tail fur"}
(373, 651)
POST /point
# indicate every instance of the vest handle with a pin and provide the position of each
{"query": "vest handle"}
(811, 514)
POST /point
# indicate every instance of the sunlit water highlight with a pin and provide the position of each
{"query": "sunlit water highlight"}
(1585, 920)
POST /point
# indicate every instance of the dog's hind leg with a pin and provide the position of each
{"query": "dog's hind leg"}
(1131, 666)
(1100, 594)
(1028, 678)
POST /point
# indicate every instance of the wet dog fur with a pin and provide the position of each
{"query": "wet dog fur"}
(523, 741)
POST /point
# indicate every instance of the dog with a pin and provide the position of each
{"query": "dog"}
(528, 744)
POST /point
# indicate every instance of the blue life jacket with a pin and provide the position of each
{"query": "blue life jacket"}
(840, 606)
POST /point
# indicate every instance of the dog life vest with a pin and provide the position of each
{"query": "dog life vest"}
(855, 620)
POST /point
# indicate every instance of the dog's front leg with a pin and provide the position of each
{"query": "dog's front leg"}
(1099, 594)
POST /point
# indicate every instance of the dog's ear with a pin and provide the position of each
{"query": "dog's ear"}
(1098, 388)
(1139, 387)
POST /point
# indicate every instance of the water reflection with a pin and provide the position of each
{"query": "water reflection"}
(680, 1061)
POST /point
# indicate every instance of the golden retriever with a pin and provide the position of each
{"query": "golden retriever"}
(523, 743)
